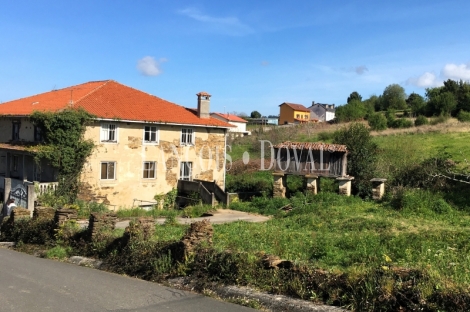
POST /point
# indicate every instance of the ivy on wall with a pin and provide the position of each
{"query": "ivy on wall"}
(64, 146)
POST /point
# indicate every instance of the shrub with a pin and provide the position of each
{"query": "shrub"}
(463, 116)
(362, 156)
(401, 123)
(377, 122)
(439, 119)
(421, 120)
(325, 136)
(254, 182)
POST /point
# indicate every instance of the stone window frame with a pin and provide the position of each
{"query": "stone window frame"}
(106, 131)
(186, 175)
(157, 135)
(107, 177)
(149, 170)
(187, 136)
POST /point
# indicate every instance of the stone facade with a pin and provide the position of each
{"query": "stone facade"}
(129, 153)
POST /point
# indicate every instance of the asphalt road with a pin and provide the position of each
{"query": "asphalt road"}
(28, 283)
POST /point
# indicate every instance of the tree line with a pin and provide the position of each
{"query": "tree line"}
(451, 99)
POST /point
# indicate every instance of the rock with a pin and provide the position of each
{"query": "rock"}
(43, 213)
(143, 228)
(64, 214)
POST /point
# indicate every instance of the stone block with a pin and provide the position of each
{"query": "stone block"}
(378, 188)
(345, 185)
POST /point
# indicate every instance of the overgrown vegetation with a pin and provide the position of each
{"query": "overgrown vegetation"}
(64, 146)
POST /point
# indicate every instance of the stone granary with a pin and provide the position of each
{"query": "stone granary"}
(311, 160)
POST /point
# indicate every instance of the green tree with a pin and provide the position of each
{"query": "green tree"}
(255, 114)
(354, 110)
(354, 96)
(362, 156)
(417, 103)
(377, 122)
(394, 97)
(443, 104)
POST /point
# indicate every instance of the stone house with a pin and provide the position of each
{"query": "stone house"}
(293, 113)
(143, 144)
(322, 112)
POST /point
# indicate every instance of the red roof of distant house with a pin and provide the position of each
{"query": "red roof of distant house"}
(297, 107)
(230, 117)
(109, 99)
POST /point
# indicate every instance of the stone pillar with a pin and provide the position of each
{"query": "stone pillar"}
(279, 189)
(7, 189)
(311, 184)
(378, 188)
(31, 198)
(345, 185)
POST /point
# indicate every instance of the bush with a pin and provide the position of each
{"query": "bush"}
(421, 120)
(463, 116)
(439, 119)
(362, 156)
(250, 182)
(401, 123)
(325, 136)
(377, 122)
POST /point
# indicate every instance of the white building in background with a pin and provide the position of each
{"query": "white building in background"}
(322, 112)
(238, 122)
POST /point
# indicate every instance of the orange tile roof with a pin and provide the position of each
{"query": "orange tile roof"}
(230, 117)
(109, 99)
(297, 107)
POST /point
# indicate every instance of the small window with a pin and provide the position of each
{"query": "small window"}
(38, 134)
(187, 136)
(108, 170)
(16, 131)
(108, 133)
(150, 134)
(298, 116)
(186, 169)
(149, 170)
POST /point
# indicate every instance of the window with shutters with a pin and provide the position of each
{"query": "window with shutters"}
(109, 132)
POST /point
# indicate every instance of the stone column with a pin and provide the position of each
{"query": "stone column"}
(31, 198)
(311, 184)
(279, 184)
(7, 189)
(345, 185)
(378, 188)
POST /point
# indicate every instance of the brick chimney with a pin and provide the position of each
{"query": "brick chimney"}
(203, 105)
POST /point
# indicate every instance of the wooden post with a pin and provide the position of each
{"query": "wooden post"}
(344, 168)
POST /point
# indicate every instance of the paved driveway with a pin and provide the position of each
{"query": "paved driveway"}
(218, 217)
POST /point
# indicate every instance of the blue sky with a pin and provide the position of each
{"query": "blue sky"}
(250, 55)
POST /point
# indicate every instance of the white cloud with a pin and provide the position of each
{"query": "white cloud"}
(456, 72)
(227, 25)
(148, 66)
(426, 80)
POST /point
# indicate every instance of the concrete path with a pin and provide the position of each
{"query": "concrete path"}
(35, 284)
(218, 217)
